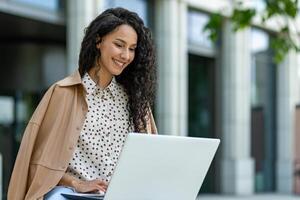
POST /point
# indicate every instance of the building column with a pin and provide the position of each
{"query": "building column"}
(79, 15)
(171, 42)
(237, 168)
(286, 105)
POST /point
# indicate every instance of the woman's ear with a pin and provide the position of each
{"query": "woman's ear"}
(98, 42)
(98, 45)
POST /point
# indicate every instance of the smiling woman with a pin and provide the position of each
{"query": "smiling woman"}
(118, 50)
(74, 138)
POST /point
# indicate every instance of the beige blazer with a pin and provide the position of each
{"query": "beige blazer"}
(49, 140)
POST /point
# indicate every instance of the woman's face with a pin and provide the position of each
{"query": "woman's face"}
(117, 49)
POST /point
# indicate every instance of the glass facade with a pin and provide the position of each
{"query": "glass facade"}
(201, 88)
(16, 108)
(51, 5)
(201, 107)
(201, 96)
(26, 78)
(32, 54)
(196, 22)
(263, 110)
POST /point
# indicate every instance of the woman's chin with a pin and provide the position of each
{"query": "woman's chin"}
(117, 72)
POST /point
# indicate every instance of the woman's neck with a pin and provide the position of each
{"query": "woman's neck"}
(101, 77)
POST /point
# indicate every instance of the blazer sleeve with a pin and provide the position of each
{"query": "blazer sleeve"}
(18, 184)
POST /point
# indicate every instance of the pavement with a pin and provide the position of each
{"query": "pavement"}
(252, 197)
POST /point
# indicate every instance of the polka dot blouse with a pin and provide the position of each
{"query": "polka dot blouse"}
(103, 133)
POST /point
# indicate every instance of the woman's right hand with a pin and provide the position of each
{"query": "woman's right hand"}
(94, 186)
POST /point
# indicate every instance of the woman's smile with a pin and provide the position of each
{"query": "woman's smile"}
(120, 64)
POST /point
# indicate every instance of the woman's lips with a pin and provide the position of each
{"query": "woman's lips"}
(119, 63)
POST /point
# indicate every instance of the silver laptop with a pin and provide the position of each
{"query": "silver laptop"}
(158, 167)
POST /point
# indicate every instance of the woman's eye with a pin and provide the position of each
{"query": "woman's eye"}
(132, 49)
(118, 45)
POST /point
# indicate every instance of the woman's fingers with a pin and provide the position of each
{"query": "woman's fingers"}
(92, 186)
(101, 183)
(103, 189)
(97, 188)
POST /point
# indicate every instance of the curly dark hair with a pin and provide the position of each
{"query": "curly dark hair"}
(139, 77)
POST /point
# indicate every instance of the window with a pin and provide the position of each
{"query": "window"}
(196, 36)
(51, 5)
(263, 110)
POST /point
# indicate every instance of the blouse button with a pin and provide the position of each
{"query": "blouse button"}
(70, 148)
(77, 128)
(103, 97)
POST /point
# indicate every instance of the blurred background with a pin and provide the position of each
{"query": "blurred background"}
(229, 89)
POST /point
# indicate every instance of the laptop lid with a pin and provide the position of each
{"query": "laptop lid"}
(161, 167)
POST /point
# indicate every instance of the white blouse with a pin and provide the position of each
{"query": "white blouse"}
(104, 131)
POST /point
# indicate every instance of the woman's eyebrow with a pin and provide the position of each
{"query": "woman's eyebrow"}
(123, 41)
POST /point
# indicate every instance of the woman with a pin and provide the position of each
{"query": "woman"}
(75, 136)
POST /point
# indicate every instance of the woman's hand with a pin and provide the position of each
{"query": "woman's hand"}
(90, 186)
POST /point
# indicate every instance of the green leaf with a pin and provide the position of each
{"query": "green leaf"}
(214, 26)
(290, 7)
(287, 8)
(241, 18)
(281, 47)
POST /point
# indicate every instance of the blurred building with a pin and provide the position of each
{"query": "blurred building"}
(32, 55)
(231, 90)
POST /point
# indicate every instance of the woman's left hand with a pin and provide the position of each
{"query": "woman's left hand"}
(95, 186)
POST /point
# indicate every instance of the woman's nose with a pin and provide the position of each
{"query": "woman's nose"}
(125, 54)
